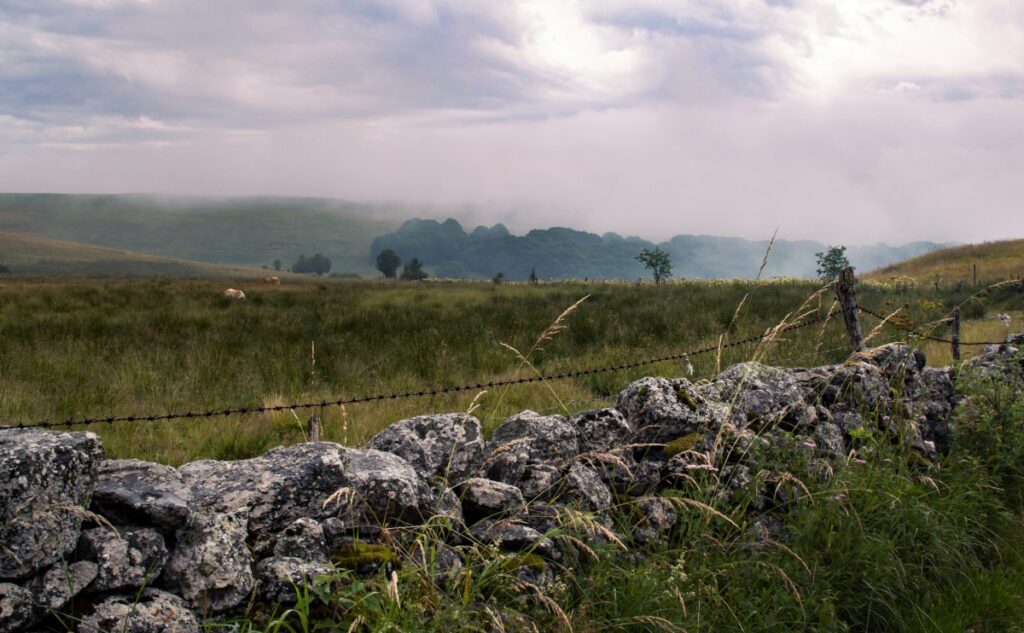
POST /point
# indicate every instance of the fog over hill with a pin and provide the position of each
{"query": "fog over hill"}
(558, 253)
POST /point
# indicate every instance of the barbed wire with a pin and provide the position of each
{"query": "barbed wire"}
(928, 337)
(768, 334)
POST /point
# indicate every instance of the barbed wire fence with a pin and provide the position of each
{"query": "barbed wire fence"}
(771, 334)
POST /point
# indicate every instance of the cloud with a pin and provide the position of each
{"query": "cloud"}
(838, 120)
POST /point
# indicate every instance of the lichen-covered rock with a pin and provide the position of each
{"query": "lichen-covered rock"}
(278, 577)
(512, 536)
(128, 558)
(45, 477)
(153, 611)
(448, 445)
(539, 481)
(762, 394)
(828, 437)
(551, 436)
(855, 384)
(1004, 359)
(304, 481)
(508, 462)
(303, 539)
(54, 588)
(16, 607)
(134, 492)
(601, 430)
(655, 518)
(482, 498)
(583, 487)
(210, 566)
(661, 409)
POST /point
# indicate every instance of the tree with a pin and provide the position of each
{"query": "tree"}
(277, 264)
(413, 270)
(832, 262)
(499, 279)
(657, 261)
(4, 269)
(533, 275)
(388, 262)
(318, 264)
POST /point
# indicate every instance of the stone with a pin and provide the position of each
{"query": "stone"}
(583, 487)
(551, 436)
(828, 436)
(512, 536)
(482, 498)
(761, 394)
(210, 566)
(449, 445)
(128, 558)
(53, 589)
(279, 577)
(16, 607)
(45, 478)
(655, 518)
(539, 481)
(154, 611)
(302, 539)
(316, 480)
(508, 462)
(662, 410)
(134, 492)
(601, 430)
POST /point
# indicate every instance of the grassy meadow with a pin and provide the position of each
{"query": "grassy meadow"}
(991, 261)
(93, 348)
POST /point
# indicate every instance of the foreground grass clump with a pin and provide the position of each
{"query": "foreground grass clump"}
(103, 347)
(877, 541)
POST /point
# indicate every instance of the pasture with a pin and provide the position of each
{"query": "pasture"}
(93, 348)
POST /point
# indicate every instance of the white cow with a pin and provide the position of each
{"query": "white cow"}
(232, 293)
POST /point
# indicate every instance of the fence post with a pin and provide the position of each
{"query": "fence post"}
(848, 301)
(955, 323)
(313, 427)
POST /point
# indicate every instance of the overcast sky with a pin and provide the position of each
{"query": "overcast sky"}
(847, 120)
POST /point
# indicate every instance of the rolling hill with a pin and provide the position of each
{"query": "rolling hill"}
(30, 255)
(240, 231)
(995, 261)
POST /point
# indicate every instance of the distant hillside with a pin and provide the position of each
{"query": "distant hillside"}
(29, 255)
(559, 253)
(246, 231)
(995, 261)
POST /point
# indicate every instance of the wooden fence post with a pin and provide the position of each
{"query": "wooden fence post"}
(975, 268)
(313, 427)
(955, 323)
(848, 302)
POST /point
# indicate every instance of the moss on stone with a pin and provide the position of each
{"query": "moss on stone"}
(362, 555)
(682, 444)
(534, 562)
(684, 396)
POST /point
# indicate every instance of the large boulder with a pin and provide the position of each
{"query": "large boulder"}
(759, 393)
(547, 436)
(134, 492)
(601, 430)
(128, 558)
(152, 611)
(448, 445)
(483, 498)
(316, 480)
(663, 410)
(45, 478)
(54, 588)
(211, 567)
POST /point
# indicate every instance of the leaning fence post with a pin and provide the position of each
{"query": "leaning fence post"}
(955, 338)
(848, 301)
(313, 427)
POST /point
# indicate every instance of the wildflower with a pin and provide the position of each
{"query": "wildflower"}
(857, 460)
(809, 444)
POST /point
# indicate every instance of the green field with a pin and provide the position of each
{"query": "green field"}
(962, 265)
(95, 348)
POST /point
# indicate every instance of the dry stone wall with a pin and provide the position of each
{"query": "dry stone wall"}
(142, 547)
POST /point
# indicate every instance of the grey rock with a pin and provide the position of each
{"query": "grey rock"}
(154, 611)
(1015, 339)
(601, 430)
(45, 478)
(303, 539)
(210, 566)
(762, 394)
(583, 487)
(447, 504)
(448, 445)
(828, 436)
(512, 536)
(508, 462)
(56, 587)
(388, 488)
(662, 410)
(134, 492)
(656, 516)
(482, 498)
(128, 558)
(278, 577)
(552, 436)
(539, 481)
(439, 561)
(16, 607)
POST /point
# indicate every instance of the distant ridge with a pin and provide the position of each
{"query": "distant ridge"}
(991, 261)
(562, 253)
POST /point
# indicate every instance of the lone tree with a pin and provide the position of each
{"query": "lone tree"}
(413, 270)
(657, 261)
(317, 264)
(277, 264)
(533, 276)
(388, 262)
(832, 262)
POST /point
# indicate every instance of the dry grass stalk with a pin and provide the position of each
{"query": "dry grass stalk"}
(567, 517)
(475, 404)
(342, 495)
(393, 589)
(686, 501)
(546, 600)
(878, 328)
(356, 624)
(658, 623)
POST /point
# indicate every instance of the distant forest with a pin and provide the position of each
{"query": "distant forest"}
(447, 250)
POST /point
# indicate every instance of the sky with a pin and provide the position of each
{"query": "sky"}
(846, 121)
